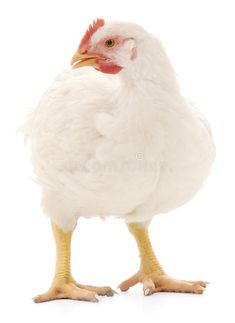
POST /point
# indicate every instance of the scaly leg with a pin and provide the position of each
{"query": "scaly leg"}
(151, 274)
(63, 285)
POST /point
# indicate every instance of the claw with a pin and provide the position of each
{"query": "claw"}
(146, 292)
(148, 287)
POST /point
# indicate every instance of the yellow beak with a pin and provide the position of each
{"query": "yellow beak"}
(79, 60)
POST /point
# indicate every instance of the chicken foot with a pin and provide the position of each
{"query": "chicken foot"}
(63, 285)
(151, 274)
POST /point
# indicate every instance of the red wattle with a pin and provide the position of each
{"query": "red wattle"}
(109, 68)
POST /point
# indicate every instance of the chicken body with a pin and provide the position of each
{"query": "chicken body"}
(126, 145)
(101, 147)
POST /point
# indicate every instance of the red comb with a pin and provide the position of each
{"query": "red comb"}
(91, 30)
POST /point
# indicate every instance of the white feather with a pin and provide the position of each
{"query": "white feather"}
(127, 145)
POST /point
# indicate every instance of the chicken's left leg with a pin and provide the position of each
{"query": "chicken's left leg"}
(151, 274)
(63, 285)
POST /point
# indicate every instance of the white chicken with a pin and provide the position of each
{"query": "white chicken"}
(125, 145)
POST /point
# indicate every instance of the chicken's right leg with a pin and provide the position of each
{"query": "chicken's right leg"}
(64, 286)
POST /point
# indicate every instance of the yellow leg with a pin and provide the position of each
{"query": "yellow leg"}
(63, 252)
(149, 262)
(63, 285)
(151, 274)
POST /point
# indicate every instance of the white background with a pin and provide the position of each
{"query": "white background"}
(196, 241)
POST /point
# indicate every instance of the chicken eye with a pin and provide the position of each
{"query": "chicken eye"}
(110, 43)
